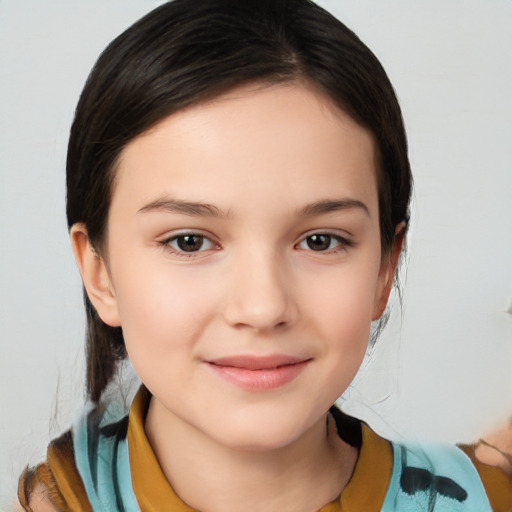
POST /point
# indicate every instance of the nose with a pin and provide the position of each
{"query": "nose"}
(260, 294)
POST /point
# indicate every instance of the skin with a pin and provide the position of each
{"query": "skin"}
(270, 162)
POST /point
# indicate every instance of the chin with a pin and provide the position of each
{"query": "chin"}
(262, 442)
(262, 434)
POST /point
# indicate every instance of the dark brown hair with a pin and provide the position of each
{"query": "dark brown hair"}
(186, 51)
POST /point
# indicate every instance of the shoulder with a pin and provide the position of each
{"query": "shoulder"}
(437, 476)
(54, 484)
(87, 468)
(496, 477)
(444, 477)
(102, 457)
(430, 476)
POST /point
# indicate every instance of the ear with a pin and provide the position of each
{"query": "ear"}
(95, 276)
(387, 272)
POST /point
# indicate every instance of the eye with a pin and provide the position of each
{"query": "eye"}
(189, 243)
(322, 242)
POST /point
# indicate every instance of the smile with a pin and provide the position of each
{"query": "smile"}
(253, 373)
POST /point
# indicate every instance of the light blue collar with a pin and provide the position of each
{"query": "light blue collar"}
(434, 478)
(102, 459)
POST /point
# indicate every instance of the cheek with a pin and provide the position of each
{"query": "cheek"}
(346, 324)
(162, 311)
(342, 306)
(344, 300)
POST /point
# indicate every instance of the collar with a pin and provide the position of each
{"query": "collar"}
(154, 492)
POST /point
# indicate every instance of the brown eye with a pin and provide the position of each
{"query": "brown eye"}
(319, 242)
(324, 242)
(190, 243)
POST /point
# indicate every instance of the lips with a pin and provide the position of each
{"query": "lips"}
(258, 373)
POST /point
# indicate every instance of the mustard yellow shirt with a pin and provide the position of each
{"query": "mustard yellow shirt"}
(365, 491)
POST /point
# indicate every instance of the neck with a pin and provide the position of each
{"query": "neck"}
(302, 476)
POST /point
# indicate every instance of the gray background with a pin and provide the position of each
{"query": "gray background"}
(442, 368)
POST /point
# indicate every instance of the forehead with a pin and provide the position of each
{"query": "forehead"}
(282, 142)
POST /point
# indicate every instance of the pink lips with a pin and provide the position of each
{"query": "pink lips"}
(256, 373)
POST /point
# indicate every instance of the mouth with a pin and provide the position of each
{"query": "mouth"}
(258, 373)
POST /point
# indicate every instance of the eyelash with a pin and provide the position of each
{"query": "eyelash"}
(342, 243)
(166, 244)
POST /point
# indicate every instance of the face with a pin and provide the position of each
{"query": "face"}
(244, 262)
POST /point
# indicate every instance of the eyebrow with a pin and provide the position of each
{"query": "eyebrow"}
(198, 209)
(332, 205)
(195, 209)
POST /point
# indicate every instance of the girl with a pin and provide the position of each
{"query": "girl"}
(238, 189)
